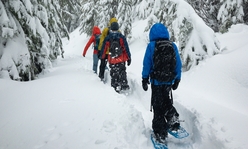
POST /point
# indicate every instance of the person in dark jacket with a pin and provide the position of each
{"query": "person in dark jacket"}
(95, 32)
(103, 64)
(165, 115)
(118, 64)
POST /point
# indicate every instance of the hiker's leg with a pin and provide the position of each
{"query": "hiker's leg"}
(171, 113)
(123, 76)
(158, 123)
(102, 68)
(95, 62)
(114, 73)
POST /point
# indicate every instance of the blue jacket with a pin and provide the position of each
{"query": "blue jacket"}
(159, 31)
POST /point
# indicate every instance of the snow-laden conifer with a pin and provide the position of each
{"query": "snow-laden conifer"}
(196, 41)
(35, 29)
(125, 18)
(230, 12)
(208, 10)
(71, 11)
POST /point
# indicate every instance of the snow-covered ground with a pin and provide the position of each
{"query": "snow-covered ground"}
(68, 107)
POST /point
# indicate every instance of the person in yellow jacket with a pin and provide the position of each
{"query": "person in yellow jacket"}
(104, 60)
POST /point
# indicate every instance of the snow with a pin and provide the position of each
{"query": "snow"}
(69, 107)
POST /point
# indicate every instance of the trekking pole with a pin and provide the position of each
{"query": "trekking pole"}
(171, 96)
(151, 105)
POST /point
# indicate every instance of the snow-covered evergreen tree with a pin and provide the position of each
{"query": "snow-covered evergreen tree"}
(143, 9)
(71, 11)
(107, 10)
(11, 64)
(230, 12)
(98, 13)
(208, 10)
(90, 16)
(192, 37)
(125, 17)
(245, 7)
(35, 28)
(221, 14)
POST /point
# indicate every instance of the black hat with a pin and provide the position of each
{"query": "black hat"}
(114, 26)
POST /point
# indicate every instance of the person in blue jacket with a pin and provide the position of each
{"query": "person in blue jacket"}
(165, 114)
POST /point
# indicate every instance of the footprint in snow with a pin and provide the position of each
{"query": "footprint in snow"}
(109, 126)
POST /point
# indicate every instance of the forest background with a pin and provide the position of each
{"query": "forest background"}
(38, 26)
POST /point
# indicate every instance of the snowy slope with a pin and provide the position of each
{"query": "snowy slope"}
(218, 89)
(68, 107)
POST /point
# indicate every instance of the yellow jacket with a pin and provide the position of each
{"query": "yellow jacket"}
(105, 34)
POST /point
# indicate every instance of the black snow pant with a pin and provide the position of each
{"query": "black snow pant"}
(164, 111)
(118, 76)
(102, 67)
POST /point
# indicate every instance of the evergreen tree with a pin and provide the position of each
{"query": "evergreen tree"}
(108, 10)
(192, 36)
(38, 26)
(98, 13)
(245, 6)
(125, 17)
(231, 12)
(221, 14)
(208, 10)
(71, 11)
(143, 8)
(9, 29)
(90, 16)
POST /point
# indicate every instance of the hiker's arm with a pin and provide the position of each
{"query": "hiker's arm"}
(178, 63)
(147, 62)
(127, 47)
(92, 38)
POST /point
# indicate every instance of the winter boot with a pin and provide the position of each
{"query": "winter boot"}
(125, 87)
(174, 123)
(161, 138)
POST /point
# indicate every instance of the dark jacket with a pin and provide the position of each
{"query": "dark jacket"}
(123, 43)
(159, 31)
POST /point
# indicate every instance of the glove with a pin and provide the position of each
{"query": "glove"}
(145, 83)
(128, 62)
(175, 85)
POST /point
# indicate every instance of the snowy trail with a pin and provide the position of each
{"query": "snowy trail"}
(66, 113)
(197, 139)
(69, 107)
(202, 134)
(131, 126)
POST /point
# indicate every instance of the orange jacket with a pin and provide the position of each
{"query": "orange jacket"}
(95, 31)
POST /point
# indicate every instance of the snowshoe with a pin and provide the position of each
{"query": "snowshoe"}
(158, 143)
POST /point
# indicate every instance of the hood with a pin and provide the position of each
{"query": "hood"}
(114, 26)
(96, 30)
(111, 21)
(158, 31)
